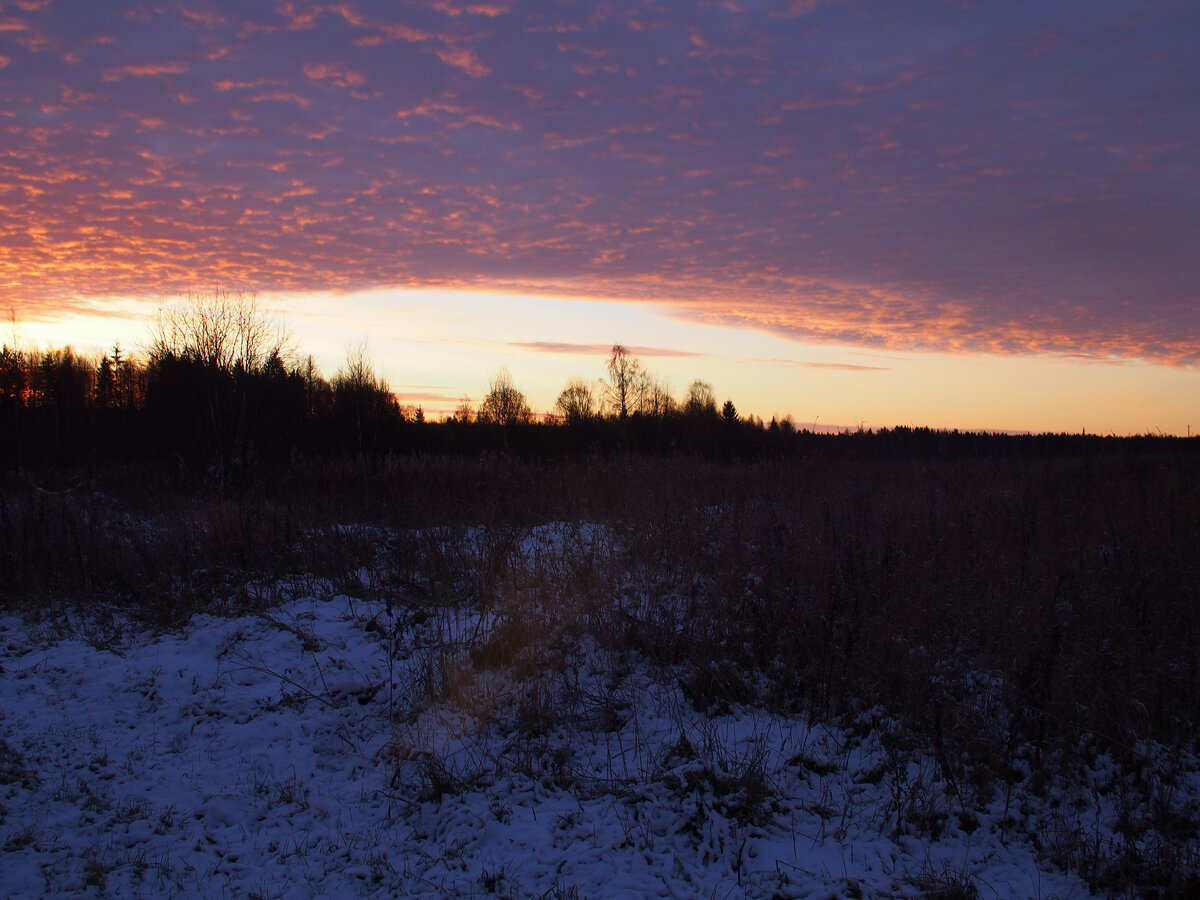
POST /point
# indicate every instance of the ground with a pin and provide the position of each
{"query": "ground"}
(329, 745)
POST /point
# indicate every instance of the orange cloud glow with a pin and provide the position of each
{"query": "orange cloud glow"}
(887, 180)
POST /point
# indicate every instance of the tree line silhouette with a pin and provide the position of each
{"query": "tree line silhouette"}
(221, 387)
(220, 390)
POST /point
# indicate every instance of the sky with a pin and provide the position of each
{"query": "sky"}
(955, 214)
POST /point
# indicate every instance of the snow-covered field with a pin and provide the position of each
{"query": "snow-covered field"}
(332, 747)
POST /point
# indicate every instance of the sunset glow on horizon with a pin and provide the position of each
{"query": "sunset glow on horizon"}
(855, 214)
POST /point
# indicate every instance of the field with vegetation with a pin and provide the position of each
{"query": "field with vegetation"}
(975, 660)
(621, 653)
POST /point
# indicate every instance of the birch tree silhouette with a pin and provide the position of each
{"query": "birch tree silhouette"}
(626, 381)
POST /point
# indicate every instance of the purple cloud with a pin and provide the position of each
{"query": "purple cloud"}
(602, 350)
(1001, 178)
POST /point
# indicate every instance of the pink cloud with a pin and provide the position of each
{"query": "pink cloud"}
(145, 70)
(339, 74)
(462, 58)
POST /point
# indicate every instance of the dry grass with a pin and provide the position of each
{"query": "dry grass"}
(1019, 617)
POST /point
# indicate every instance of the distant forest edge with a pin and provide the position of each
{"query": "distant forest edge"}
(220, 390)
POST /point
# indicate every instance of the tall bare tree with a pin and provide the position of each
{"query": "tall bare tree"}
(626, 381)
(221, 329)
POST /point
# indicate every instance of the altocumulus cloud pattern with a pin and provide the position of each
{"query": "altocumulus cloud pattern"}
(1000, 177)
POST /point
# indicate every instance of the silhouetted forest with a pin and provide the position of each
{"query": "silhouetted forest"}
(219, 392)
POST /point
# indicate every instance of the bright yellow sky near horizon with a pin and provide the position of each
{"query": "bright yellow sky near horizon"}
(435, 347)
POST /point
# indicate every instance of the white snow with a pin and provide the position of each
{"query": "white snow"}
(328, 749)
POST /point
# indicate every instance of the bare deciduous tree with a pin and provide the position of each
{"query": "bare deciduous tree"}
(210, 356)
(361, 399)
(464, 412)
(220, 329)
(358, 373)
(577, 402)
(655, 399)
(700, 399)
(504, 404)
(626, 381)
